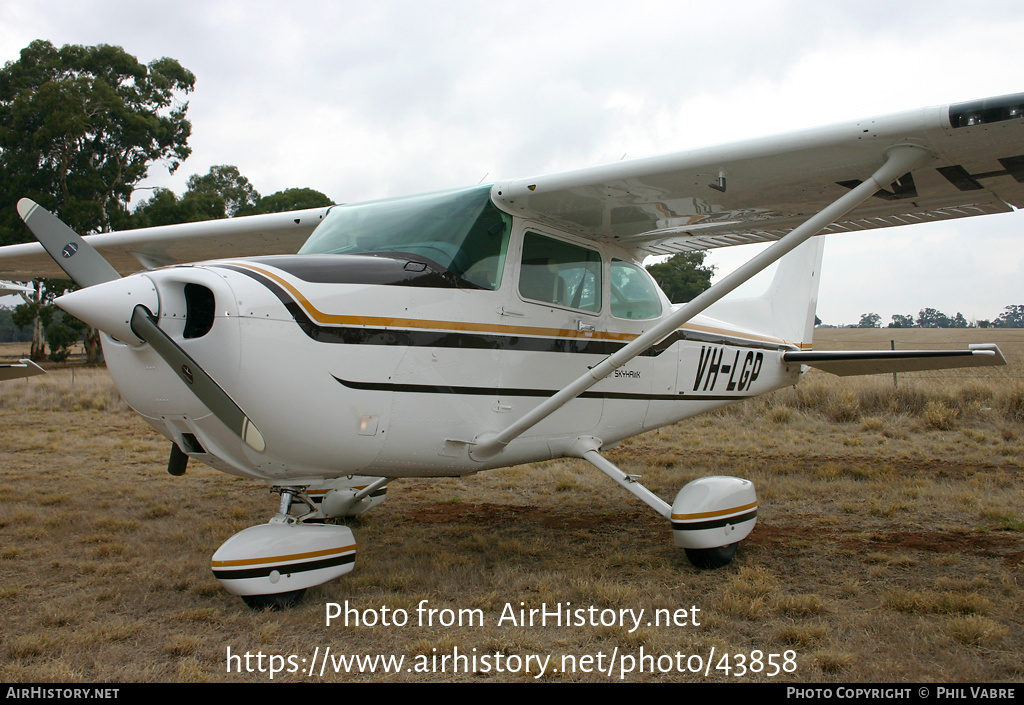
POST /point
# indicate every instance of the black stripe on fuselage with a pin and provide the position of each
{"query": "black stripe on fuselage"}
(502, 392)
(361, 335)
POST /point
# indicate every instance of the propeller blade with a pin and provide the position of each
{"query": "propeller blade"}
(75, 256)
(87, 268)
(144, 325)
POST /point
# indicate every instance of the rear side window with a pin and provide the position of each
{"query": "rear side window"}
(560, 273)
(633, 293)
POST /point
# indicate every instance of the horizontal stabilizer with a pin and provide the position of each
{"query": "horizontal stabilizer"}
(869, 362)
(23, 368)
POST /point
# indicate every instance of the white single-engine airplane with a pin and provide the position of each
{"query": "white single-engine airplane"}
(454, 332)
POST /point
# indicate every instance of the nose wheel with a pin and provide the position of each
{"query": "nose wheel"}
(274, 603)
(710, 558)
(270, 566)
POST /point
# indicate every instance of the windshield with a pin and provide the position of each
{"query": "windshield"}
(460, 230)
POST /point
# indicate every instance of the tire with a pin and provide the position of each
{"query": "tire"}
(274, 603)
(711, 558)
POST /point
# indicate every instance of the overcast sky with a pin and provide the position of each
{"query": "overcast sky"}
(364, 100)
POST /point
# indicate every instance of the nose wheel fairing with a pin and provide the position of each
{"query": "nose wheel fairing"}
(283, 557)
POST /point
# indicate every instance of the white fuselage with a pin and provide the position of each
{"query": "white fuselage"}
(347, 375)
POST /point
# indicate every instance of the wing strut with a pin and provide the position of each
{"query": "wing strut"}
(900, 159)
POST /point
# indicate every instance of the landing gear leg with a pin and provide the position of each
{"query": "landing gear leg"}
(289, 495)
(709, 516)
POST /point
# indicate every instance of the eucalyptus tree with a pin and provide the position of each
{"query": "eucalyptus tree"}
(80, 127)
(683, 276)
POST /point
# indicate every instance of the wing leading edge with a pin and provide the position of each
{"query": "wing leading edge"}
(144, 248)
(759, 190)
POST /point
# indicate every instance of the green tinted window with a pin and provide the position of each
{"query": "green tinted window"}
(560, 273)
(633, 293)
(460, 230)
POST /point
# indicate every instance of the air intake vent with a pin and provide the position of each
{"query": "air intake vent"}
(199, 310)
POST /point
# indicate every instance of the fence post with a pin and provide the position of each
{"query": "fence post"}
(892, 346)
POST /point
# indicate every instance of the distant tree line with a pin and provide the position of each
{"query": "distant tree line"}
(683, 276)
(10, 332)
(1011, 317)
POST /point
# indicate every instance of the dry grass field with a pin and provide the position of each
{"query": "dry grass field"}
(889, 546)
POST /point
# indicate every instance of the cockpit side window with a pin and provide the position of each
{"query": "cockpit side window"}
(483, 250)
(633, 293)
(560, 273)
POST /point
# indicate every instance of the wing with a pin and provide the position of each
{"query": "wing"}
(759, 190)
(131, 250)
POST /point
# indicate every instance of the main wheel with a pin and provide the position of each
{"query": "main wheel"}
(708, 558)
(274, 603)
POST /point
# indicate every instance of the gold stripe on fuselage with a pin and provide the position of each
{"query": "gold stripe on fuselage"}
(417, 323)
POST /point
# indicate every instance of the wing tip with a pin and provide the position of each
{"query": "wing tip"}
(26, 206)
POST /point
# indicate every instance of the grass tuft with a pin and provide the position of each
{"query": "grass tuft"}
(976, 630)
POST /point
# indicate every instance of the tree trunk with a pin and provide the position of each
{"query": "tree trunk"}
(93, 349)
(37, 353)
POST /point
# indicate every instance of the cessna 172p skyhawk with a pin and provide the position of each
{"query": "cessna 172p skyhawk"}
(454, 332)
